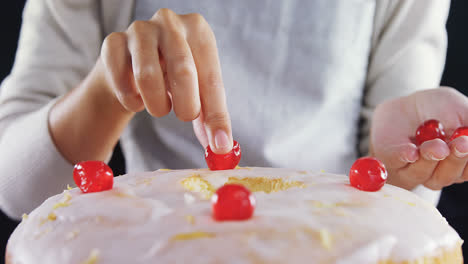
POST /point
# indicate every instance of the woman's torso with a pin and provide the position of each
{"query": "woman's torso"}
(294, 74)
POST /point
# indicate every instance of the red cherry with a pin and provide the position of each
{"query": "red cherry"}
(93, 176)
(461, 131)
(431, 129)
(368, 174)
(226, 161)
(232, 202)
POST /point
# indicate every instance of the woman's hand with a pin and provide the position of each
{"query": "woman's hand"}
(435, 163)
(171, 61)
(168, 62)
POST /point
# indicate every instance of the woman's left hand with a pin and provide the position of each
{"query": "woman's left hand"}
(435, 163)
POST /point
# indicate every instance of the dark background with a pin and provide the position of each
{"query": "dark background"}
(454, 200)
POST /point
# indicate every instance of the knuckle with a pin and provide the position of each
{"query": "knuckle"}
(187, 110)
(139, 27)
(113, 41)
(144, 73)
(174, 34)
(197, 21)
(213, 81)
(164, 12)
(183, 67)
(188, 115)
(165, 16)
(217, 119)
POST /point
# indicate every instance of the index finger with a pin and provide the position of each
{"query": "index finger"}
(212, 95)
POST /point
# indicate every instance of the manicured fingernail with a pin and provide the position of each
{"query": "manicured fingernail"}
(459, 154)
(431, 156)
(405, 159)
(221, 140)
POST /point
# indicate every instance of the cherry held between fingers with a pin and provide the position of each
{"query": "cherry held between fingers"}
(368, 174)
(429, 130)
(232, 202)
(461, 131)
(226, 161)
(93, 176)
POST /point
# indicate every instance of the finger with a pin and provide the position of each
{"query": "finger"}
(143, 46)
(200, 131)
(451, 168)
(464, 177)
(117, 61)
(430, 153)
(212, 95)
(399, 156)
(180, 66)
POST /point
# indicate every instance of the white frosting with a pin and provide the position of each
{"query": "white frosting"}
(145, 218)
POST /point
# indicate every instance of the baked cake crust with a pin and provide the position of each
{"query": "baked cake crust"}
(164, 216)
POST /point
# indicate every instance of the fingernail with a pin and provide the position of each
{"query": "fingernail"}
(459, 154)
(221, 140)
(431, 156)
(405, 159)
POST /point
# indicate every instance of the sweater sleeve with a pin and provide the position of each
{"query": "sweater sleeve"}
(59, 43)
(408, 54)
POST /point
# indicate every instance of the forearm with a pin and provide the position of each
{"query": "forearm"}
(87, 122)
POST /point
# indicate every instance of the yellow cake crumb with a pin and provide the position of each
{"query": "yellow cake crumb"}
(92, 258)
(192, 236)
(190, 219)
(68, 187)
(196, 184)
(123, 194)
(406, 202)
(263, 184)
(242, 168)
(164, 170)
(322, 171)
(340, 212)
(98, 219)
(24, 217)
(319, 204)
(52, 216)
(326, 239)
(64, 202)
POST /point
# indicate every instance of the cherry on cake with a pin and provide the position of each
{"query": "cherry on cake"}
(166, 216)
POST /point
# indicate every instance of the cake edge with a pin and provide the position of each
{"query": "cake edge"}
(453, 256)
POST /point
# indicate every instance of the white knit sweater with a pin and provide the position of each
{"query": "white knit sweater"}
(298, 76)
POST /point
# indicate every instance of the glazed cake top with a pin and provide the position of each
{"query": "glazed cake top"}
(164, 216)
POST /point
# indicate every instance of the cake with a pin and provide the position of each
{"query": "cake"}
(300, 217)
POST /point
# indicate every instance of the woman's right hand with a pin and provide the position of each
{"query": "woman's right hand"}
(170, 62)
